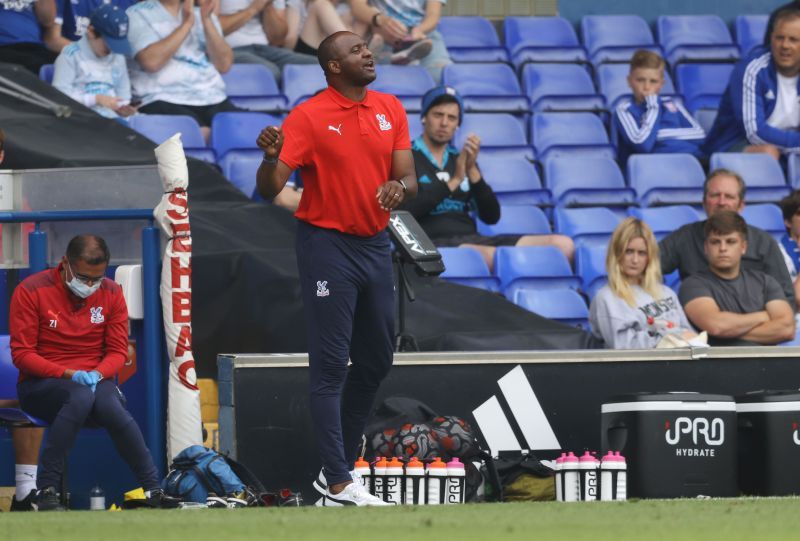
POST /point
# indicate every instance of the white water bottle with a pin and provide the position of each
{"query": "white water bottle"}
(613, 481)
(415, 483)
(393, 485)
(456, 482)
(97, 499)
(379, 478)
(588, 465)
(570, 480)
(559, 477)
(437, 477)
(364, 473)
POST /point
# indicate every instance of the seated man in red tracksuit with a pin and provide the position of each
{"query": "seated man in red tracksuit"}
(69, 338)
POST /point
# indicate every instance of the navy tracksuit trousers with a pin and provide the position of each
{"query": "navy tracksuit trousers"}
(348, 298)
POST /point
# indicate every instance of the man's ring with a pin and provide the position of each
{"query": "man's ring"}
(397, 195)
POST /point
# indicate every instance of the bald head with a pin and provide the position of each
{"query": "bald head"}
(330, 49)
(89, 248)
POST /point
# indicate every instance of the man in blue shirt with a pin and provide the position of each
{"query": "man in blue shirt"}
(29, 34)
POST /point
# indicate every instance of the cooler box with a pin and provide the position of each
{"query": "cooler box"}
(676, 444)
(769, 442)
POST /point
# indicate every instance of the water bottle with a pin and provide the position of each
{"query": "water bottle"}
(415, 483)
(559, 477)
(393, 485)
(613, 482)
(456, 482)
(437, 477)
(97, 499)
(364, 473)
(379, 477)
(571, 481)
(588, 465)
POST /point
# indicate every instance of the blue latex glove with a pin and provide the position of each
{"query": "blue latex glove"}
(94, 377)
(90, 379)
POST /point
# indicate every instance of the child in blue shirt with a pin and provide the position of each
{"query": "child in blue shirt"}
(649, 123)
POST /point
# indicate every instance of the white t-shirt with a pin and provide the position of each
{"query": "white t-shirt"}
(252, 32)
(786, 115)
(189, 77)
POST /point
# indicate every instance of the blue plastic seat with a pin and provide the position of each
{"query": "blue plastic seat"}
(766, 216)
(471, 39)
(750, 30)
(614, 38)
(501, 135)
(11, 417)
(665, 220)
(562, 305)
(234, 135)
(666, 179)
(590, 266)
(586, 225)
(408, 83)
(252, 86)
(532, 267)
(612, 83)
(301, 81)
(569, 134)
(514, 181)
(241, 172)
(585, 182)
(159, 128)
(466, 266)
(517, 220)
(541, 39)
(762, 174)
(706, 118)
(415, 127)
(695, 37)
(793, 170)
(46, 73)
(487, 87)
(560, 87)
(702, 85)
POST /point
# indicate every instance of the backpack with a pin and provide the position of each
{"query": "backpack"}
(197, 471)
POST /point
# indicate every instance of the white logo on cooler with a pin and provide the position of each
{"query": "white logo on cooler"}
(696, 427)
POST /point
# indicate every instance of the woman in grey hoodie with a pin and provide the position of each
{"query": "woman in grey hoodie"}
(635, 309)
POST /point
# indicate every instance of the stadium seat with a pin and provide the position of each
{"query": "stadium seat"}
(466, 266)
(514, 181)
(408, 83)
(487, 87)
(695, 37)
(702, 85)
(234, 134)
(706, 118)
(414, 125)
(501, 135)
(766, 216)
(46, 73)
(517, 220)
(9, 374)
(750, 30)
(560, 87)
(665, 220)
(471, 39)
(586, 225)
(569, 134)
(590, 266)
(584, 182)
(562, 305)
(301, 81)
(532, 267)
(252, 86)
(614, 38)
(793, 170)
(666, 179)
(159, 128)
(761, 173)
(612, 83)
(241, 172)
(541, 39)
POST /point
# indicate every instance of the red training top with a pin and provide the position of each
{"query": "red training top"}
(344, 151)
(53, 330)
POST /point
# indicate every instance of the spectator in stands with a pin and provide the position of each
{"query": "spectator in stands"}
(29, 34)
(649, 123)
(69, 338)
(180, 53)
(451, 184)
(790, 206)
(256, 30)
(407, 24)
(74, 15)
(93, 70)
(734, 304)
(635, 309)
(26, 441)
(795, 4)
(760, 111)
(684, 249)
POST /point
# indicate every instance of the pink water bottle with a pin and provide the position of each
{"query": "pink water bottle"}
(559, 477)
(588, 476)
(456, 479)
(571, 482)
(613, 481)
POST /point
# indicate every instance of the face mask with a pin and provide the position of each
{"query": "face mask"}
(79, 288)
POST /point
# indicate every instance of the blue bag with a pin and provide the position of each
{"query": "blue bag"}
(196, 471)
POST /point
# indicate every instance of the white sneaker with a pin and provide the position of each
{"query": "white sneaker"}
(320, 484)
(353, 494)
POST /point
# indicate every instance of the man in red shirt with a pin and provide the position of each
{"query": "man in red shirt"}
(353, 151)
(69, 338)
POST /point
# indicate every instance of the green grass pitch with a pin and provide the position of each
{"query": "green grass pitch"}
(674, 520)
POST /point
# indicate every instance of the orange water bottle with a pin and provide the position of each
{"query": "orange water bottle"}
(415, 482)
(364, 473)
(393, 486)
(379, 477)
(437, 479)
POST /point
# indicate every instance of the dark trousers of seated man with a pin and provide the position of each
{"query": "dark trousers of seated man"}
(69, 406)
